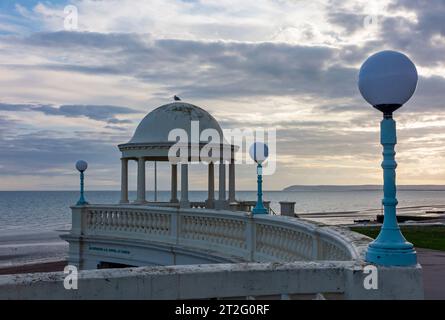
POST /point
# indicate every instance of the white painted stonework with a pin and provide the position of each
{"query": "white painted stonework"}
(196, 253)
(165, 236)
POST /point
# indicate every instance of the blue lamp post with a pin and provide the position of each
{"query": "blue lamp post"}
(259, 153)
(387, 80)
(81, 166)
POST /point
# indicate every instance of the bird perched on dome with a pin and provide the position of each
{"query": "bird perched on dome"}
(177, 98)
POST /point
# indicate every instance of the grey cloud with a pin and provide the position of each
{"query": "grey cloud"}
(351, 22)
(427, 98)
(118, 121)
(38, 153)
(16, 107)
(199, 68)
(412, 36)
(93, 40)
(430, 14)
(103, 113)
(115, 128)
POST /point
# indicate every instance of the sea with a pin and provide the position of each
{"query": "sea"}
(50, 210)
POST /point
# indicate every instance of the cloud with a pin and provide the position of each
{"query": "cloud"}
(414, 27)
(200, 68)
(49, 153)
(95, 112)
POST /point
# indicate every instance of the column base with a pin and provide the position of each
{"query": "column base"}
(210, 204)
(402, 254)
(174, 200)
(140, 202)
(221, 205)
(184, 204)
(124, 202)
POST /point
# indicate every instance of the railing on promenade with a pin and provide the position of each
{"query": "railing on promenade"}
(239, 234)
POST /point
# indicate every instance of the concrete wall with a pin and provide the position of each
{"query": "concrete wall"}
(339, 280)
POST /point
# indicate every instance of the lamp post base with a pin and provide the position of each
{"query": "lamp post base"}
(400, 254)
(257, 210)
(81, 203)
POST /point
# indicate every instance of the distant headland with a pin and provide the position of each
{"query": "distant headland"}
(367, 187)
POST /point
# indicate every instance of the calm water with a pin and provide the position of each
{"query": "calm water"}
(49, 210)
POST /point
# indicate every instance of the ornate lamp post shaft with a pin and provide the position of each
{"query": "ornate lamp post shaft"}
(388, 139)
(259, 208)
(82, 198)
(390, 247)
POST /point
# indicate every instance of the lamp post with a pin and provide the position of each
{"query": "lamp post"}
(387, 80)
(259, 153)
(81, 166)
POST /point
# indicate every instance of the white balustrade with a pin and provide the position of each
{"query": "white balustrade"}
(124, 222)
(222, 233)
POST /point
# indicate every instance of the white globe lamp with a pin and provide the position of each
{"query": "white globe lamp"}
(387, 80)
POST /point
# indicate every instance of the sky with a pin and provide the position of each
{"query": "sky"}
(291, 65)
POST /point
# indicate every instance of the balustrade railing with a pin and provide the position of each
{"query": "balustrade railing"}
(225, 233)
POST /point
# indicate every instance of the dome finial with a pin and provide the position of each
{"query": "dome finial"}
(176, 98)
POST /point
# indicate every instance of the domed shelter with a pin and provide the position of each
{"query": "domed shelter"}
(157, 124)
(154, 139)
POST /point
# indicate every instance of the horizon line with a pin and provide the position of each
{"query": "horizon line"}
(245, 190)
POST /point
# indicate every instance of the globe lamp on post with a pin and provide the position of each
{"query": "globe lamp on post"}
(259, 153)
(81, 166)
(387, 80)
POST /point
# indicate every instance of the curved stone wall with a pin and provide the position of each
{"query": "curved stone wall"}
(166, 236)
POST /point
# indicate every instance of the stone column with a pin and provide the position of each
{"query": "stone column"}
(232, 181)
(210, 203)
(221, 203)
(124, 180)
(141, 181)
(156, 182)
(174, 183)
(184, 202)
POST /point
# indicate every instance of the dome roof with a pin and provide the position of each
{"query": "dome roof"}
(157, 124)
